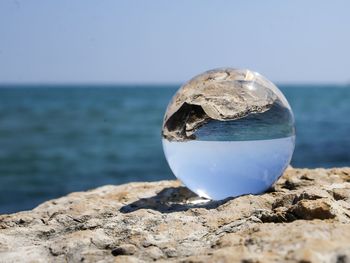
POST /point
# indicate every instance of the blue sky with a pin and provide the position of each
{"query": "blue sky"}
(170, 41)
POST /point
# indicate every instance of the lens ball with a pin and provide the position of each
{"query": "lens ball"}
(228, 132)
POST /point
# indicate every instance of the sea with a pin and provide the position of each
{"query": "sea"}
(57, 139)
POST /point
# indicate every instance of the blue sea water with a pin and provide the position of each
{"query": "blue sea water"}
(59, 139)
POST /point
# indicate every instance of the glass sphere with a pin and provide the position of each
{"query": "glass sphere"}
(228, 132)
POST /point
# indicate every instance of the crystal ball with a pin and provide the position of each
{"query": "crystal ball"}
(228, 132)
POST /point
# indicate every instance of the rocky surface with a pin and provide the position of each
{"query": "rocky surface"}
(305, 217)
(221, 94)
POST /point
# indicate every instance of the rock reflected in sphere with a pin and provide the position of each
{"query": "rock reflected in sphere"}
(228, 132)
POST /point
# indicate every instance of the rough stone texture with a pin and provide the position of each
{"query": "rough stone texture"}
(221, 94)
(305, 217)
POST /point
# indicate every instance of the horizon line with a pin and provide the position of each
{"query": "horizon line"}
(154, 84)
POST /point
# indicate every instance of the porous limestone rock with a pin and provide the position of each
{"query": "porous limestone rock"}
(304, 217)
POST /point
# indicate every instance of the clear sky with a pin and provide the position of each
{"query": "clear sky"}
(110, 41)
